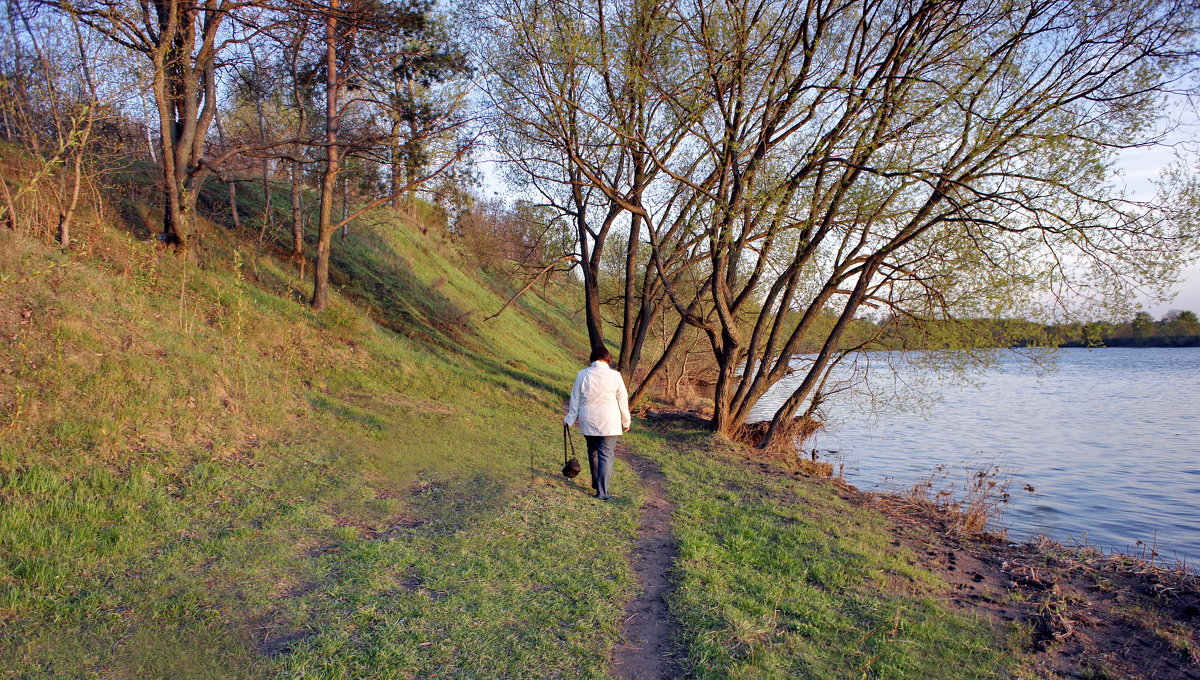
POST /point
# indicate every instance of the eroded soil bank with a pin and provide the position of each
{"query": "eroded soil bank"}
(1075, 611)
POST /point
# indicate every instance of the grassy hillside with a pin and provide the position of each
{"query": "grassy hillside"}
(200, 478)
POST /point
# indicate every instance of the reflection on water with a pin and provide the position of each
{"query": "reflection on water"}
(1111, 442)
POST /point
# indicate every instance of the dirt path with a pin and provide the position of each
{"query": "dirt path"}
(646, 652)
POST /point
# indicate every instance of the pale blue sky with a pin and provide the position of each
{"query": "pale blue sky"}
(1140, 168)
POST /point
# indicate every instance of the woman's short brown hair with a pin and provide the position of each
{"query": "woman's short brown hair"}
(601, 353)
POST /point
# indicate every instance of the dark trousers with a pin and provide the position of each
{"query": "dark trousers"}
(601, 451)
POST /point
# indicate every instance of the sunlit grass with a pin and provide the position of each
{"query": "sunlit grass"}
(201, 478)
(779, 577)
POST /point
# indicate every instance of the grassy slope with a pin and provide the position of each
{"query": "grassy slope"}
(200, 478)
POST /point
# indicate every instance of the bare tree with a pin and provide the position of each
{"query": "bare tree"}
(300, 102)
(50, 102)
(538, 58)
(574, 120)
(181, 41)
(937, 156)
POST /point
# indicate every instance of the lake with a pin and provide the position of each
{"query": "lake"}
(1110, 440)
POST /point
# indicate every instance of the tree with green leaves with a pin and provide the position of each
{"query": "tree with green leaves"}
(425, 82)
(927, 161)
(574, 119)
(1143, 326)
(937, 160)
(1180, 323)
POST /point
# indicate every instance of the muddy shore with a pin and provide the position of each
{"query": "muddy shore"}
(1077, 612)
(1072, 611)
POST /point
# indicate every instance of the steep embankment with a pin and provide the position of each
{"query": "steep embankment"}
(201, 478)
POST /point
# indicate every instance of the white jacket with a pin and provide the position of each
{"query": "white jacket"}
(599, 402)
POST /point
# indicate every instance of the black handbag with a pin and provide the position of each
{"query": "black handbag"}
(571, 467)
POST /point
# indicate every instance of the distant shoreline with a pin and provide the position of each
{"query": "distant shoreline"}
(1121, 343)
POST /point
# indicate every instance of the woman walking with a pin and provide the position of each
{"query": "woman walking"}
(600, 404)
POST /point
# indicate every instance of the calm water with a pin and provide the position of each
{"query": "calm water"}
(1110, 440)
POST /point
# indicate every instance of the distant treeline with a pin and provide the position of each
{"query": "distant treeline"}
(1161, 341)
(1177, 328)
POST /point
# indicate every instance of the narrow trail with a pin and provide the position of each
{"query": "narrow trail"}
(645, 652)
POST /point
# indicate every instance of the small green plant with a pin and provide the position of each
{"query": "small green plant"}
(144, 263)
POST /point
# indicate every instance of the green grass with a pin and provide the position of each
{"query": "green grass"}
(779, 577)
(517, 593)
(201, 478)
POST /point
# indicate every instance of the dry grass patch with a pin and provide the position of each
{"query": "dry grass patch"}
(787, 446)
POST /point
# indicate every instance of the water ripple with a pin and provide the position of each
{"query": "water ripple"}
(1111, 441)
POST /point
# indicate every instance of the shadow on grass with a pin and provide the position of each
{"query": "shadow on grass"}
(399, 300)
(451, 504)
(346, 411)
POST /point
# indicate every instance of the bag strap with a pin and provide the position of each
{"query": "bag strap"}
(567, 438)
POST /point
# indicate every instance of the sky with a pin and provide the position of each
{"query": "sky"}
(1140, 167)
(1187, 297)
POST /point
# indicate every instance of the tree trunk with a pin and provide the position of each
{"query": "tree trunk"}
(320, 297)
(345, 209)
(297, 215)
(173, 231)
(723, 420)
(150, 145)
(590, 262)
(233, 201)
(396, 163)
(591, 307)
(175, 90)
(412, 153)
(233, 205)
(296, 169)
(268, 209)
(662, 363)
(266, 218)
(812, 378)
(64, 231)
(627, 363)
